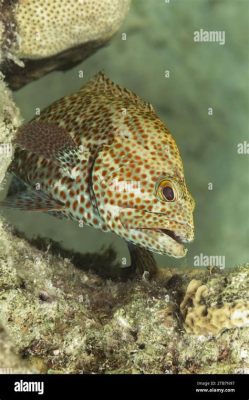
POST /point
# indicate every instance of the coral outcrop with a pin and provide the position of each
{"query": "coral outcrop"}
(37, 37)
(49, 27)
(203, 314)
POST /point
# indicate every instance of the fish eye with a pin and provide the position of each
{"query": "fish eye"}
(165, 191)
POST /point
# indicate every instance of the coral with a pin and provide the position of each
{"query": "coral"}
(10, 119)
(47, 28)
(204, 317)
(34, 29)
(61, 319)
(9, 360)
(42, 36)
(9, 38)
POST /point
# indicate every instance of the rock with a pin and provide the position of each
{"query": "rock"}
(10, 120)
(98, 325)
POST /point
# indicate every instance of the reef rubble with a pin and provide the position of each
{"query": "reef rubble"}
(56, 318)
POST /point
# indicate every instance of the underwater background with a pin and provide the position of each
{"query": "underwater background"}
(159, 38)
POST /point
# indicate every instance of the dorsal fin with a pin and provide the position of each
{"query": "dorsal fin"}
(101, 83)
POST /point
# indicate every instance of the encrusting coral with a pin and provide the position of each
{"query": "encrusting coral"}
(50, 27)
(201, 318)
(37, 37)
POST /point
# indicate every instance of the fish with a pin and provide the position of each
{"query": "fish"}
(103, 158)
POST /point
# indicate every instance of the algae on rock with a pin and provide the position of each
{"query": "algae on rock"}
(10, 120)
(63, 319)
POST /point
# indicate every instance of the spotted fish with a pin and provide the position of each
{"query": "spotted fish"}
(102, 157)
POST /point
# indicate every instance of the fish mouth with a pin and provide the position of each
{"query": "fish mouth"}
(158, 234)
(169, 233)
(172, 234)
(171, 243)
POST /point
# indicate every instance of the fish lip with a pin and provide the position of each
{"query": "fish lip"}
(171, 234)
(179, 249)
(177, 238)
(178, 235)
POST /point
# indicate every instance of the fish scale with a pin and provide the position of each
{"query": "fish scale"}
(103, 157)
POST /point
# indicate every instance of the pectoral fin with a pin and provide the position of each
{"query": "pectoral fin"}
(50, 141)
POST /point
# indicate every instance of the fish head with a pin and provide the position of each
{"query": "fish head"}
(142, 196)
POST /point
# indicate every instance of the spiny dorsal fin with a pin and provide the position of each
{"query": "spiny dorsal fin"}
(101, 83)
